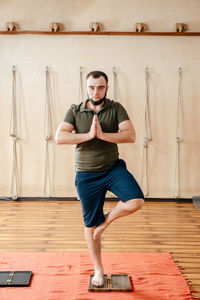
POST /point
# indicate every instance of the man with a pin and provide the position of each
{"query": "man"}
(99, 125)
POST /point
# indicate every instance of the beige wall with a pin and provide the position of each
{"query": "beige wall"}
(130, 55)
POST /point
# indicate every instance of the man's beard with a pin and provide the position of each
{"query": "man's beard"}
(100, 101)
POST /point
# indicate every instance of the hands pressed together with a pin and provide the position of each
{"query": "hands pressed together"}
(125, 134)
(95, 129)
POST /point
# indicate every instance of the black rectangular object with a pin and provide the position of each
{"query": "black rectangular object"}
(121, 283)
(15, 278)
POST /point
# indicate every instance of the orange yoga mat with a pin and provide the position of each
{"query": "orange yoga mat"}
(65, 276)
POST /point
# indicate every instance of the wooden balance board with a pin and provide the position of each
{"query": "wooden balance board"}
(112, 283)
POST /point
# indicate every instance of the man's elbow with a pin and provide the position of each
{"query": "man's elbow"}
(58, 139)
(132, 138)
(58, 142)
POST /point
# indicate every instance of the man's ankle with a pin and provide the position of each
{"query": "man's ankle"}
(98, 271)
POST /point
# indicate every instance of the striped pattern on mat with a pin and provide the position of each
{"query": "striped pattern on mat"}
(65, 276)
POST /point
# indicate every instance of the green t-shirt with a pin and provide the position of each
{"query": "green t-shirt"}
(96, 154)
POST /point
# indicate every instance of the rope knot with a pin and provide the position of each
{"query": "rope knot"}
(47, 138)
(14, 137)
(146, 141)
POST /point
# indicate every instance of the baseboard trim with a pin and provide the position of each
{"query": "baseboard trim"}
(178, 200)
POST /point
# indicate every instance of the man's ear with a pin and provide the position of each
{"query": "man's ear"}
(107, 88)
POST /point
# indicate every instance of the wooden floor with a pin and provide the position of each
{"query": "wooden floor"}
(58, 226)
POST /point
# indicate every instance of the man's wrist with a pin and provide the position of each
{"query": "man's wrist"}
(90, 136)
(101, 135)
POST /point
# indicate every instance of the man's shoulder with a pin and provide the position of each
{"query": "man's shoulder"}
(110, 102)
(77, 107)
(113, 103)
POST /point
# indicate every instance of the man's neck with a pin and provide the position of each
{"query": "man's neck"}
(95, 108)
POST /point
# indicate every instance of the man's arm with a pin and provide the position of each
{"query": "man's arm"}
(64, 134)
(126, 133)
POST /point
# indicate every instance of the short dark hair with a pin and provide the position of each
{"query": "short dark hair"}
(97, 74)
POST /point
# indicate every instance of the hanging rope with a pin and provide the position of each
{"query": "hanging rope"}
(178, 140)
(14, 136)
(147, 139)
(80, 94)
(114, 84)
(48, 135)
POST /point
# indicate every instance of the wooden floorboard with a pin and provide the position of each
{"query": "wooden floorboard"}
(58, 226)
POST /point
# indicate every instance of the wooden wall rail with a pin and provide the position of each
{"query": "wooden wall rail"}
(102, 33)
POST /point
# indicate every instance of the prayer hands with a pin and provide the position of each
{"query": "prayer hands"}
(99, 129)
(95, 129)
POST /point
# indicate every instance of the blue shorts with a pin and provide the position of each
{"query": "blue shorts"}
(92, 187)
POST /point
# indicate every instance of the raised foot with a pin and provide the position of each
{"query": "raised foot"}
(100, 229)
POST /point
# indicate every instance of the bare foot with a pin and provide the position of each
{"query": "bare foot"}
(100, 228)
(97, 279)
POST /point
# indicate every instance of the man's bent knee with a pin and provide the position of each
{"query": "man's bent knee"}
(134, 204)
(89, 228)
